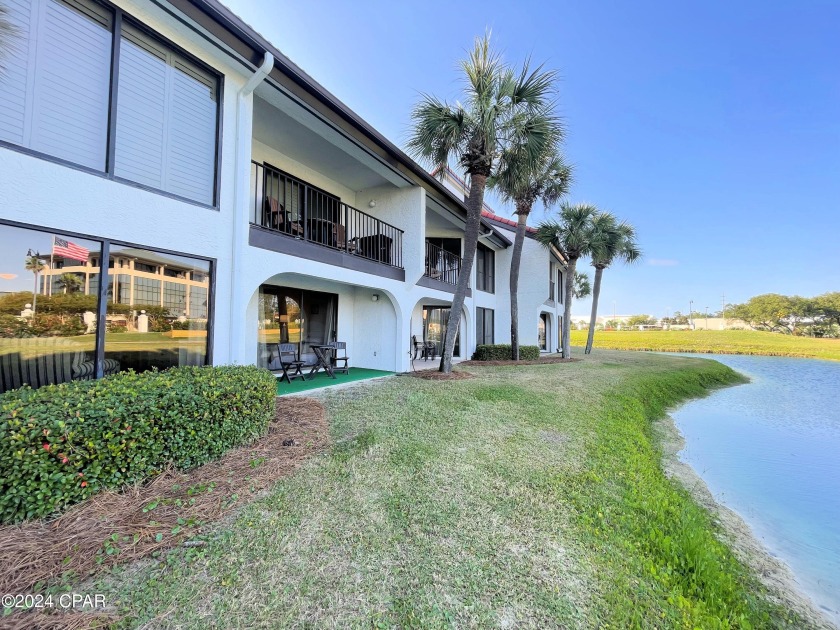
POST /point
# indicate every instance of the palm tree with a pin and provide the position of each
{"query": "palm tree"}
(34, 264)
(501, 108)
(611, 241)
(571, 234)
(582, 287)
(517, 182)
(70, 282)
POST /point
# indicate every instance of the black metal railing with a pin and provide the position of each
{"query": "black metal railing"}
(441, 264)
(285, 204)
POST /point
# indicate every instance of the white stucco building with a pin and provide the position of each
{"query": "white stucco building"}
(163, 137)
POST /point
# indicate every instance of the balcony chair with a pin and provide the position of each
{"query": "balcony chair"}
(289, 360)
(276, 217)
(340, 354)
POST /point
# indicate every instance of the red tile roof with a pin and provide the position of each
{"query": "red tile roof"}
(495, 217)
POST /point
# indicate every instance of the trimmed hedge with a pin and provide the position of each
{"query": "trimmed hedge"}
(501, 352)
(63, 443)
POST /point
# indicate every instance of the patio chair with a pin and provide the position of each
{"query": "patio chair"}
(423, 347)
(339, 349)
(289, 361)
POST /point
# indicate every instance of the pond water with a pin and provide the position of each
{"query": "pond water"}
(770, 450)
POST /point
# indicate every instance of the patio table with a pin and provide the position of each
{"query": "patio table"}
(322, 354)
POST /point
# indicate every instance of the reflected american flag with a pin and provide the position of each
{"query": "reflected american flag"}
(70, 250)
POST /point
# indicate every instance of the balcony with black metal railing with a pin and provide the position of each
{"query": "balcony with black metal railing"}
(293, 208)
(442, 265)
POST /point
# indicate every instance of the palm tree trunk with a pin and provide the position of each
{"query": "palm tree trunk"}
(518, 242)
(35, 294)
(596, 292)
(474, 203)
(567, 308)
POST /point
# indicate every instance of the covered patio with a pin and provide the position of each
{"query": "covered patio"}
(321, 380)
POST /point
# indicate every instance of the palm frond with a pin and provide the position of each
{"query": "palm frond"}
(534, 88)
(502, 108)
(439, 131)
(612, 240)
(482, 69)
(8, 32)
(558, 180)
(581, 287)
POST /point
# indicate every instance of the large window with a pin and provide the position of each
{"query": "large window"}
(57, 91)
(485, 269)
(54, 92)
(484, 326)
(166, 119)
(53, 324)
(47, 319)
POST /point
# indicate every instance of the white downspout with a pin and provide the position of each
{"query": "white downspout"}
(241, 194)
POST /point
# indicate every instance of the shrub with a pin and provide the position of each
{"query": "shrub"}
(501, 352)
(190, 324)
(40, 326)
(63, 443)
(12, 327)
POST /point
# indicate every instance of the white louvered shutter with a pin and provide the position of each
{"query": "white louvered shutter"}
(15, 91)
(54, 96)
(141, 112)
(192, 135)
(166, 120)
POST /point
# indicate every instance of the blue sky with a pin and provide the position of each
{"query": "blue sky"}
(712, 126)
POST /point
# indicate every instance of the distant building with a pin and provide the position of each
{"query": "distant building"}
(582, 321)
(138, 278)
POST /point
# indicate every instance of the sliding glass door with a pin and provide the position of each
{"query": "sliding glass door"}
(542, 332)
(435, 320)
(297, 316)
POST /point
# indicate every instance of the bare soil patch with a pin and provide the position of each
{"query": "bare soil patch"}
(434, 375)
(115, 527)
(542, 361)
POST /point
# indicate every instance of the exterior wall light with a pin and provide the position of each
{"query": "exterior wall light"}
(372, 203)
(374, 297)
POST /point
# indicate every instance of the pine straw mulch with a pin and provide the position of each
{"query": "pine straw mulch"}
(541, 361)
(114, 527)
(434, 375)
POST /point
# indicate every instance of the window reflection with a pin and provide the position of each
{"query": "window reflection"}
(157, 309)
(156, 315)
(47, 307)
(300, 317)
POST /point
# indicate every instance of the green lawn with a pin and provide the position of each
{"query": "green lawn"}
(526, 497)
(714, 341)
(29, 348)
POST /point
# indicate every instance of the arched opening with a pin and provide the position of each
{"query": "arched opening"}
(429, 322)
(307, 311)
(544, 332)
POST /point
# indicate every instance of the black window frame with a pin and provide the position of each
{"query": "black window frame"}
(110, 146)
(481, 316)
(560, 292)
(485, 269)
(104, 277)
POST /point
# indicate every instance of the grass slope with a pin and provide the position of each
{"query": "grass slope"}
(526, 497)
(714, 341)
